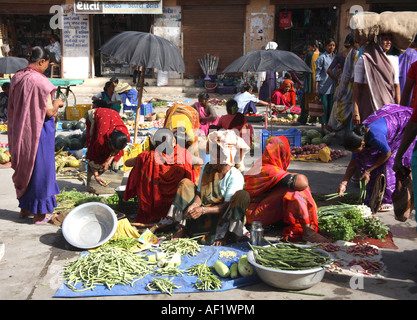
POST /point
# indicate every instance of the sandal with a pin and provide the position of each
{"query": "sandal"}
(386, 207)
(48, 217)
(377, 193)
(25, 214)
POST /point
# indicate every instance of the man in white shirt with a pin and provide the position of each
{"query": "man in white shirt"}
(244, 97)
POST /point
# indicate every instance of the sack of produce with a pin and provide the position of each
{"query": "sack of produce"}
(402, 25)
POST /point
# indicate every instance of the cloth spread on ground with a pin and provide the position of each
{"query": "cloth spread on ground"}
(208, 255)
(28, 97)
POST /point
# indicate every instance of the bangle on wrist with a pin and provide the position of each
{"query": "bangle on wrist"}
(343, 184)
(204, 210)
(195, 204)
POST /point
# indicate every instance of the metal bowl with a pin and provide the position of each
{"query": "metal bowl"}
(89, 225)
(280, 107)
(289, 280)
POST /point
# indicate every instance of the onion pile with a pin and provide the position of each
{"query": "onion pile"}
(298, 152)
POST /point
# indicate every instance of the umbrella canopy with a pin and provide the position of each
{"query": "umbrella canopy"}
(10, 65)
(268, 61)
(146, 50)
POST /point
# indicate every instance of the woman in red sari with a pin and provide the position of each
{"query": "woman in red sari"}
(155, 176)
(278, 195)
(107, 136)
(285, 95)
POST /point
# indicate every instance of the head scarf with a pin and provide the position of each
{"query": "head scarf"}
(284, 84)
(229, 144)
(181, 120)
(270, 168)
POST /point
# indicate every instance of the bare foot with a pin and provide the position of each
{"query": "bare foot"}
(24, 213)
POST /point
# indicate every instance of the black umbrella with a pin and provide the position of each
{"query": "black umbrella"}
(268, 61)
(146, 50)
(10, 65)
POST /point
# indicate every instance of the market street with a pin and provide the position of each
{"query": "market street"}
(35, 255)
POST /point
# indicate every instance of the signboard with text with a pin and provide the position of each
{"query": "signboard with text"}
(125, 7)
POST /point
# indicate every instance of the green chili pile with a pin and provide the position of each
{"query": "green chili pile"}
(287, 256)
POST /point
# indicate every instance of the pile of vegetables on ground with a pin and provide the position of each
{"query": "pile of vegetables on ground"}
(346, 221)
(284, 119)
(5, 156)
(70, 142)
(315, 147)
(287, 256)
(116, 263)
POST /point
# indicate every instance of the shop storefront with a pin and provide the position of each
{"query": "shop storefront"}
(299, 22)
(213, 27)
(24, 25)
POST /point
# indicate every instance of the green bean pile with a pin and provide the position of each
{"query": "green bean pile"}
(289, 257)
(107, 266)
(206, 280)
(182, 246)
(163, 285)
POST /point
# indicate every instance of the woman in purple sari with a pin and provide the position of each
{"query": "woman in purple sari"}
(374, 145)
(406, 59)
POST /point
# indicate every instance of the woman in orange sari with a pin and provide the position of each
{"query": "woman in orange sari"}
(278, 195)
(155, 176)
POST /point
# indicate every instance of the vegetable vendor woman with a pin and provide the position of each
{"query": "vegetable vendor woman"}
(155, 176)
(374, 145)
(31, 134)
(107, 136)
(278, 195)
(217, 205)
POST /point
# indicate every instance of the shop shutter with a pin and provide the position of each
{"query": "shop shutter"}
(217, 30)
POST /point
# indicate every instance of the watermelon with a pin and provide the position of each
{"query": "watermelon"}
(66, 125)
(73, 124)
(316, 141)
(60, 144)
(80, 125)
(305, 140)
(313, 133)
(327, 139)
(75, 144)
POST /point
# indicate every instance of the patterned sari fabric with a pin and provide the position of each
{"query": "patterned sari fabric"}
(406, 59)
(233, 218)
(271, 203)
(154, 180)
(100, 126)
(342, 105)
(397, 118)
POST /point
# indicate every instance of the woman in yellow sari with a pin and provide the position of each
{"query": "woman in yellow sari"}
(183, 121)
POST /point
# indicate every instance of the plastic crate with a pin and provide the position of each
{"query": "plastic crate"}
(78, 112)
(293, 136)
(146, 109)
(132, 153)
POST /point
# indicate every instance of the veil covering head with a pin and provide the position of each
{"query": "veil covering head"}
(227, 143)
